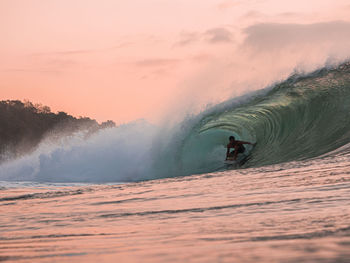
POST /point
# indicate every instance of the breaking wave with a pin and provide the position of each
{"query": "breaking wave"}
(300, 118)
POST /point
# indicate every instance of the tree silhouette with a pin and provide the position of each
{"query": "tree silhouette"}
(23, 125)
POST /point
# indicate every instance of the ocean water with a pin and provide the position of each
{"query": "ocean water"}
(95, 200)
(297, 212)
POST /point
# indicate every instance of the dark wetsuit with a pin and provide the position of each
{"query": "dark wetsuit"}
(240, 149)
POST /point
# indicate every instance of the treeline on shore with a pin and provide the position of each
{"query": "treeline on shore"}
(23, 125)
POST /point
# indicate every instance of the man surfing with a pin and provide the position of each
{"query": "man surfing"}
(237, 147)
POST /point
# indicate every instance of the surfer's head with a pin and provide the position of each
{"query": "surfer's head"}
(232, 139)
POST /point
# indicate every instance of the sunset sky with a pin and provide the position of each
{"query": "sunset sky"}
(124, 60)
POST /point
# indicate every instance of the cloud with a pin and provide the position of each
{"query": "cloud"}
(272, 36)
(157, 67)
(228, 4)
(258, 16)
(289, 15)
(61, 63)
(211, 36)
(187, 38)
(83, 51)
(121, 45)
(65, 52)
(253, 14)
(157, 62)
(201, 57)
(217, 35)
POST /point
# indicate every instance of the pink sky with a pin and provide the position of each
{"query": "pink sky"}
(124, 60)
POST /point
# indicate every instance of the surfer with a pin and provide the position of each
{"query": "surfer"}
(237, 147)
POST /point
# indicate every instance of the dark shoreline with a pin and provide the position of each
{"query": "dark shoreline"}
(23, 125)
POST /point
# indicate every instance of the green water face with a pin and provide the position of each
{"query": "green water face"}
(300, 118)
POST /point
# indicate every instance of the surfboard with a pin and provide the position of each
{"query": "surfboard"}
(230, 162)
(239, 161)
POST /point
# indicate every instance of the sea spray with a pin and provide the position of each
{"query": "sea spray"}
(300, 118)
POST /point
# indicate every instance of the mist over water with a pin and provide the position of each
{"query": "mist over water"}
(300, 118)
(111, 155)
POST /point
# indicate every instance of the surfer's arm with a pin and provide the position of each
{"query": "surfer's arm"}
(236, 152)
(246, 142)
